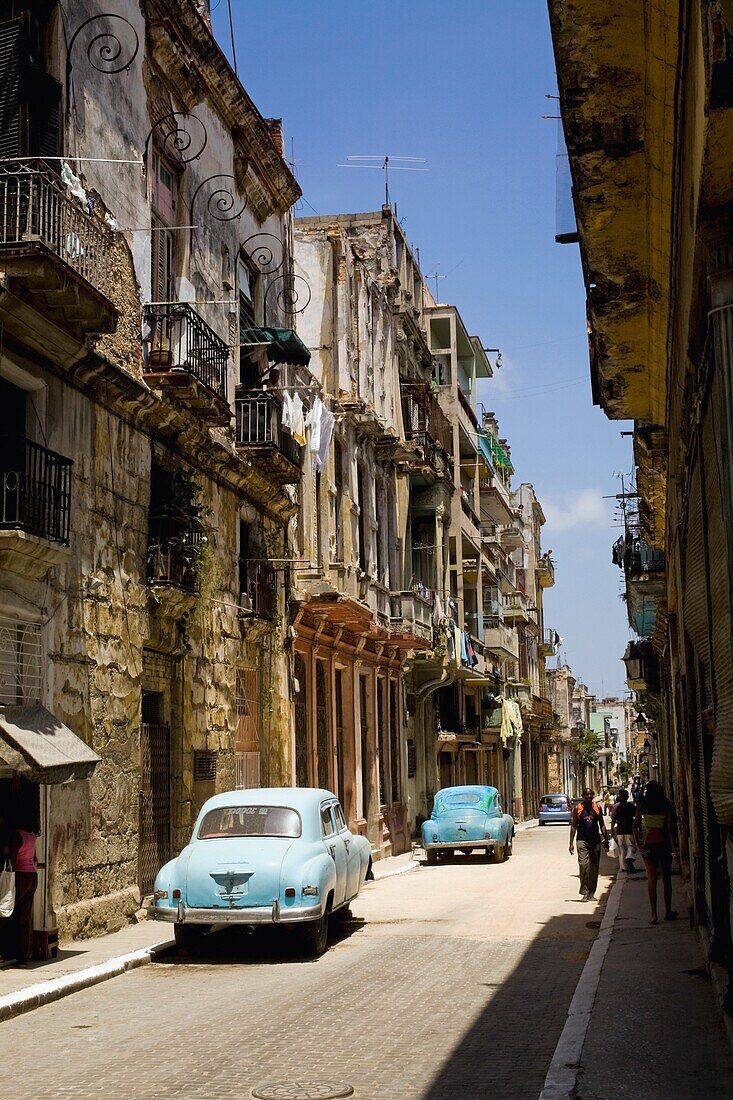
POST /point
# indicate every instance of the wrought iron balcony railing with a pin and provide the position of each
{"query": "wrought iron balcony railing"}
(257, 584)
(259, 424)
(36, 489)
(36, 208)
(175, 337)
(174, 547)
(433, 453)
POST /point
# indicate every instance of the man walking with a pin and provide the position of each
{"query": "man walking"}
(622, 831)
(589, 826)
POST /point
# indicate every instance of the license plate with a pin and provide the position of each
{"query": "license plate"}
(232, 887)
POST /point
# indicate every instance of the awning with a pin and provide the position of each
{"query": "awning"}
(283, 345)
(39, 746)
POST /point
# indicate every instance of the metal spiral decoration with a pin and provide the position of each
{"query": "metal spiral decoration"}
(106, 51)
(292, 293)
(222, 203)
(177, 139)
(265, 252)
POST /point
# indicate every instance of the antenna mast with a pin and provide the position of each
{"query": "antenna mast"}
(383, 164)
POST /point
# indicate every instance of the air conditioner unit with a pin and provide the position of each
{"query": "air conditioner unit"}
(245, 602)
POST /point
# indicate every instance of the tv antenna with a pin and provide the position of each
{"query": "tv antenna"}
(383, 164)
(436, 276)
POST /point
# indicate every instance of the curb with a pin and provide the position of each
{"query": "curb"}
(562, 1076)
(411, 866)
(42, 993)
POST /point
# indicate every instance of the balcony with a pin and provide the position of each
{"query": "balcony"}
(465, 404)
(258, 589)
(412, 620)
(516, 608)
(175, 544)
(548, 645)
(186, 359)
(511, 537)
(52, 251)
(426, 457)
(546, 571)
(35, 506)
(500, 638)
(467, 502)
(261, 437)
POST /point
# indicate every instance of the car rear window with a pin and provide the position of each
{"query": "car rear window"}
(250, 821)
(451, 800)
(554, 800)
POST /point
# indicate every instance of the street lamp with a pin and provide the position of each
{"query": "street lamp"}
(634, 662)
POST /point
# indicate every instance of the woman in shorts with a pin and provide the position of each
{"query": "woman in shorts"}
(654, 832)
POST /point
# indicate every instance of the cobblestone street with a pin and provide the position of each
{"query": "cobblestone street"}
(451, 981)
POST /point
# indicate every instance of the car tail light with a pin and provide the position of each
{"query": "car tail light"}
(290, 892)
(176, 894)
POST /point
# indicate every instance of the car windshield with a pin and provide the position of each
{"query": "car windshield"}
(454, 800)
(250, 821)
(554, 800)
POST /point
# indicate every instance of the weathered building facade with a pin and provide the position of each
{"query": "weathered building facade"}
(144, 233)
(647, 109)
(358, 610)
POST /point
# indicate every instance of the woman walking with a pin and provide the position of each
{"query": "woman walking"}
(654, 833)
(22, 851)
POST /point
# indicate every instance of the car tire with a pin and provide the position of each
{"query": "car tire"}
(315, 935)
(499, 853)
(190, 937)
(509, 849)
(431, 856)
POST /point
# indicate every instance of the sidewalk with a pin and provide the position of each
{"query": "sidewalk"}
(80, 963)
(644, 1021)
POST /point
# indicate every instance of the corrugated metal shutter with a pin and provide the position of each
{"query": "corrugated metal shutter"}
(696, 627)
(13, 84)
(721, 775)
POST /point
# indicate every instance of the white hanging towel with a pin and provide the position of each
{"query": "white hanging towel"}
(298, 426)
(287, 417)
(327, 424)
(313, 423)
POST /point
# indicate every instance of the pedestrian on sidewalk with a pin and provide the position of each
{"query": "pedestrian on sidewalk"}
(591, 831)
(622, 831)
(655, 835)
(21, 848)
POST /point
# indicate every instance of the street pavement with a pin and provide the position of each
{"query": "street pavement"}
(451, 981)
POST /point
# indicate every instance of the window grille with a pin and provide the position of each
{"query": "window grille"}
(204, 765)
(411, 760)
(21, 679)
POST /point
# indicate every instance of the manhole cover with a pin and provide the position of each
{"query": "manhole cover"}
(302, 1090)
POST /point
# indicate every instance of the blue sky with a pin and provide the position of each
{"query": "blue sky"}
(463, 84)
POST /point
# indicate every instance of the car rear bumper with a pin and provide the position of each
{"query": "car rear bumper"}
(563, 818)
(274, 914)
(487, 843)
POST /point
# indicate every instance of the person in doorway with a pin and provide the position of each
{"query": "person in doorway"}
(21, 847)
(655, 836)
(622, 831)
(590, 828)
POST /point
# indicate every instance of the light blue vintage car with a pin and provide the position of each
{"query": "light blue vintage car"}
(465, 818)
(277, 855)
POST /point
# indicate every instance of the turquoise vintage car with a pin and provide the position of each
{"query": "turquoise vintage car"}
(466, 818)
(269, 856)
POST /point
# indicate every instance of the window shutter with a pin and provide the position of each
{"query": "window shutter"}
(160, 260)
(45, 116)
(13, 87)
